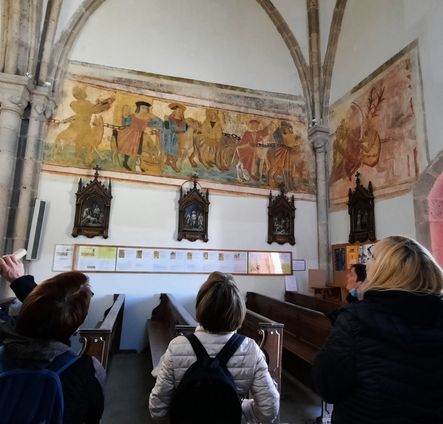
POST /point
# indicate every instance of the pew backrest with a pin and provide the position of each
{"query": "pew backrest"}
(311, 302)
(168, 320)
(305, 330)
(269, 336)
(103, 340)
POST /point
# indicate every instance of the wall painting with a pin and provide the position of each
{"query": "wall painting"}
(377, 129)
(153, 138)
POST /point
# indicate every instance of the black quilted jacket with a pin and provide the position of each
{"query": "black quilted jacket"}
(383, 362)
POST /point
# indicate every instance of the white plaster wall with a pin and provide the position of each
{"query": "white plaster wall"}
(392, 217)
(295, 14)
(228, 42)
(147, 216)
(374, 31)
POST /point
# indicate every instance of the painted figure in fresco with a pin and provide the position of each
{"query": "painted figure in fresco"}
(130, 139)
(246, 150)
(357, 140)
(287, 161)
(84, 135)
(208, 140)
(174, 127)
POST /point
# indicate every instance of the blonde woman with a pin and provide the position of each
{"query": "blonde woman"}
(220, 311)
(383, 362)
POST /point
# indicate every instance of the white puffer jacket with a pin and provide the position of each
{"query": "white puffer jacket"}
(247, 366)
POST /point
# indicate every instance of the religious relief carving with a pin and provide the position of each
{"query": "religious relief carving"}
(92, 208)
(193, 209)
(281, 215)
(361, 211)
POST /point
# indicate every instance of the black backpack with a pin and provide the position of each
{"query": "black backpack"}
(207, 393)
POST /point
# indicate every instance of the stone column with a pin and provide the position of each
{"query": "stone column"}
(41, 109)
(14, 95)
(319, 137)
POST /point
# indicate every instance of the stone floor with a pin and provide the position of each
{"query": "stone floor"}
(129, 382)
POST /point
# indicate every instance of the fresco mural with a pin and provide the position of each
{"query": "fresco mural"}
(128, 133)
(377, 129)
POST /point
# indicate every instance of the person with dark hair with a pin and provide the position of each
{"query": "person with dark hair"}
(355, 276)
(49, 316)
(382, 363)
(220, 311)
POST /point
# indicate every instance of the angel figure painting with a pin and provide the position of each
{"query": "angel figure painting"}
(146, 137)
(377, 129)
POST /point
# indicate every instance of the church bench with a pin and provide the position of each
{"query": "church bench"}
(305, 329)
(103, 340)
(311, 302)
(269, 336)
(168, 320)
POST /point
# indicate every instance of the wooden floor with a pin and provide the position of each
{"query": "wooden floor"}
(129, 383)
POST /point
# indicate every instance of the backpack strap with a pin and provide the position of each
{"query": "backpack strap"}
(63, 361)
(230, 348)
(199, 349)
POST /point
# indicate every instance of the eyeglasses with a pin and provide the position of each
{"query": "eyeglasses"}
(370, 252)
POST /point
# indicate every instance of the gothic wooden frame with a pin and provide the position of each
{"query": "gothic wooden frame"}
(361, 212)
(193, 209)
(92, 208)
(281, 215)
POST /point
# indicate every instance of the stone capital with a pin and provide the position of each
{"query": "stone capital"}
(42, 103)
(14, 93)
(319, 138)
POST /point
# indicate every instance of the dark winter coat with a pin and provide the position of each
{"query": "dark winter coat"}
(383, 361)
(82, 382)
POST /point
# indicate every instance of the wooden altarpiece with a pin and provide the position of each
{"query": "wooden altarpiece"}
(361, 212)
(193, 209)
(281, 216)
(92, 208)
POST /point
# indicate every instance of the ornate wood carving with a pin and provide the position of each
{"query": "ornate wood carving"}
(361, 212)
(281, 215)
(92, 208)
(193, 212)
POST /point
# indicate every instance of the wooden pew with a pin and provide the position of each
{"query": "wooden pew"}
(170, 319)
(305, 330)
(104, 340)
(269, 336)
(311, 302)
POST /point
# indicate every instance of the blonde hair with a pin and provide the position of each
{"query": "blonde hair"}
(401, 263)
(219, 305)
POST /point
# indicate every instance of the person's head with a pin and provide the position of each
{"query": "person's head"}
(56, 307)
(219, 305)
(286, 127)
(142, 107)
(400, 263)
(253, 124)
(355, 275)
(178, 110)
(79, 92)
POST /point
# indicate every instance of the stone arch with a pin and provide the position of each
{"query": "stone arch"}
(294, 49)
(62, 48)
(428, 201)
(64, 45)
(329, 60)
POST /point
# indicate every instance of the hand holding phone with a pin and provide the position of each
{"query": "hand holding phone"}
(19, 253)
(11, 267)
